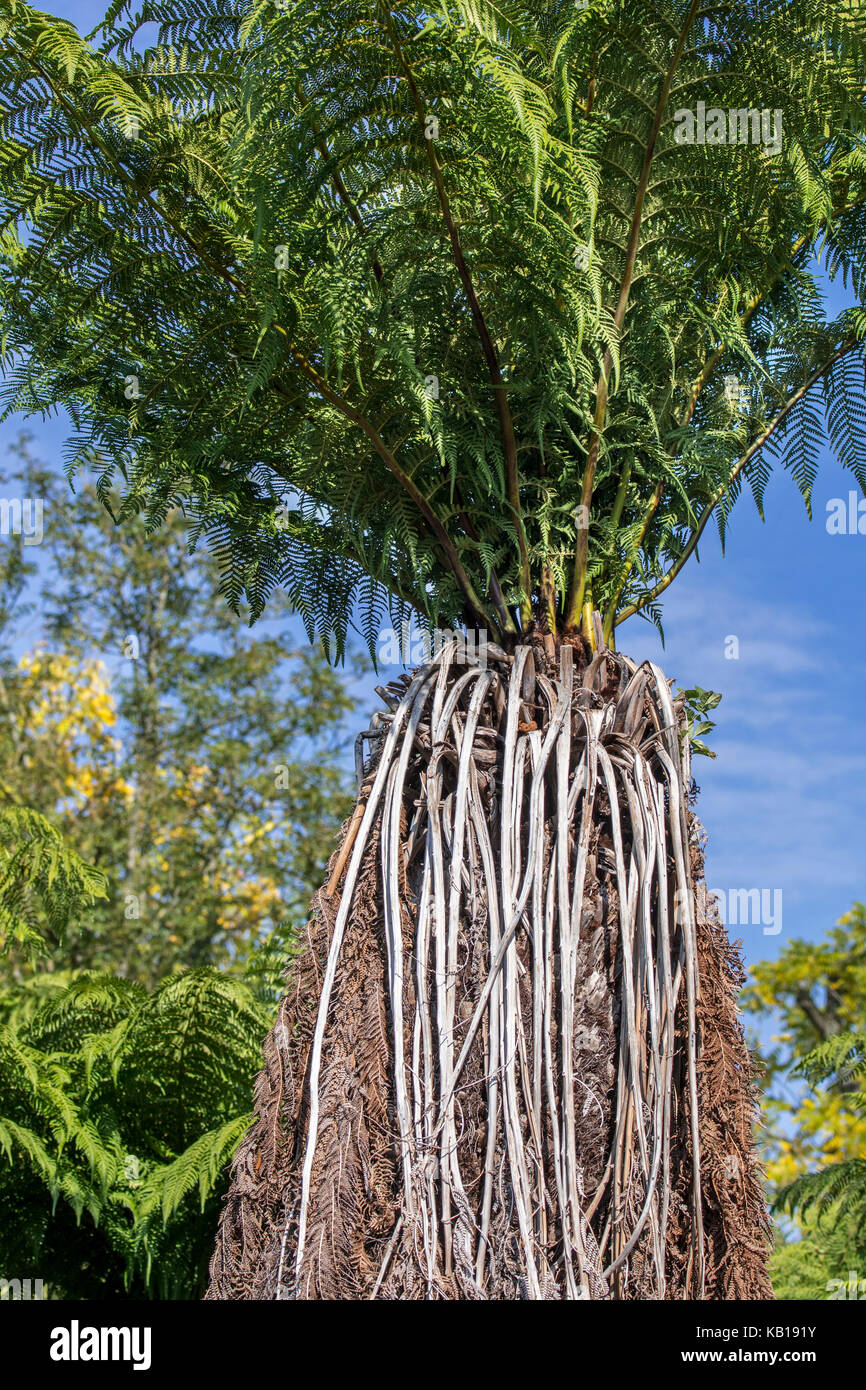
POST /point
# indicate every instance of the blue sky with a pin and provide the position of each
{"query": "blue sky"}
(784, 802)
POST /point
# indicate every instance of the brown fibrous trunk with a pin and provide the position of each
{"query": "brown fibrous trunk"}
(375, 1169)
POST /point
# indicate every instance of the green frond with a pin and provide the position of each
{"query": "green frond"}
(44, 883)
(199, 1166)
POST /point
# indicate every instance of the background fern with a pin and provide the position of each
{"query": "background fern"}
(835, 1193)
(118, 1118)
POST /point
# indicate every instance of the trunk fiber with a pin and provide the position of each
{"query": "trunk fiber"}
(509, 1063)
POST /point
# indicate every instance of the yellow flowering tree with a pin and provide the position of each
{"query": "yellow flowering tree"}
(202, 768)
(812, 994)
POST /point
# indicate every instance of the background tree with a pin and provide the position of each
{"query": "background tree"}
(832, 1202)
(201, 766)
(815, 1129)
(204, 776)
(450, 307)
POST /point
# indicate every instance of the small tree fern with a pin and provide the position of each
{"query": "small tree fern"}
(837, 1191)
(118, 1114)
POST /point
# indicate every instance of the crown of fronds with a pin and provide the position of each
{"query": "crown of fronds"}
(430, 305)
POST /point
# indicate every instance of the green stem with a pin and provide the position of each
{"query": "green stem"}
(610, 612)
(578, 586)
(509, 441)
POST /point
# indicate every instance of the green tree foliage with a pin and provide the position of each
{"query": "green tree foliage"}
(815, 1106)
(813, 993)
(816, 1263)
(434, 304)
(200, 766)
(204, 778)
(832, 1201)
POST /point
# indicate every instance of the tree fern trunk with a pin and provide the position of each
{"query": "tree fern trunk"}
(509, 1064)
